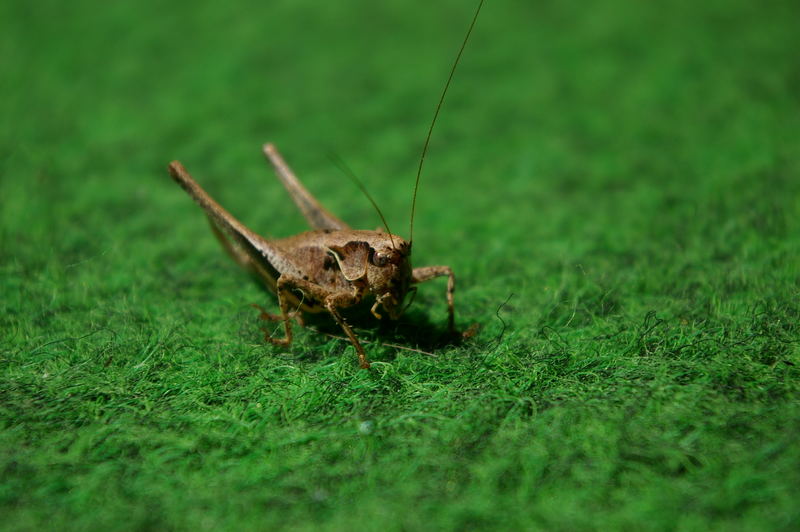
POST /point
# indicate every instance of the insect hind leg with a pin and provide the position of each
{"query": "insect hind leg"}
(236, 253)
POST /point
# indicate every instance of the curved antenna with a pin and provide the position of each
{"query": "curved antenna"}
(435, 116)
(349, 173)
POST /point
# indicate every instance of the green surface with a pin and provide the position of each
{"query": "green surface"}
(629, 172)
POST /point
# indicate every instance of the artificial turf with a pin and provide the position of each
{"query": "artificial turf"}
(615, 183)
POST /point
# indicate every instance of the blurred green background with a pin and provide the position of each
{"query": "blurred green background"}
(615, 183)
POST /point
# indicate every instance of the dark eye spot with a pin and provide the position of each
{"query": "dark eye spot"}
(379, 260)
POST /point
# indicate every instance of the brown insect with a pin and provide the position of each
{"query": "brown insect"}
(331, 267)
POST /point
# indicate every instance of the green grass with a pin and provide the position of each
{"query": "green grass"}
(627, 173)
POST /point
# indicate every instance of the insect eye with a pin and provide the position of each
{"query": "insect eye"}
(379, 260)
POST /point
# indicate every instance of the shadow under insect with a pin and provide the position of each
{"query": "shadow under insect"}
(414, 331)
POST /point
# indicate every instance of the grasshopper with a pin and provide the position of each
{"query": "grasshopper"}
(331, 267)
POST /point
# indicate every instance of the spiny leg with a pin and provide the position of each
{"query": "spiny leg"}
(332, 303)
(426, 273)
(244, 260)
(235, 252)
(283, 287)
(265, 315)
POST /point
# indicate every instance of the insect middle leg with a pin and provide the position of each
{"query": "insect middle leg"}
(426, 273)
(265, 315)
(332, 304)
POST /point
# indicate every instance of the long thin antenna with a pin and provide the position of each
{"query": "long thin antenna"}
(349, 173)
(435, 116)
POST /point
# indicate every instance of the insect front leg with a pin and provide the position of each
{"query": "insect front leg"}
(332, 302)
(426, 273)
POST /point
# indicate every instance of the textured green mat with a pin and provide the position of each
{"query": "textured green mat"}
(627, 173)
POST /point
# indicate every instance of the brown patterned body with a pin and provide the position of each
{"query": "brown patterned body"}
(324, 270)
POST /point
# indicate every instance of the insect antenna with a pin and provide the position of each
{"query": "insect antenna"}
(349, 173)
(436, 115)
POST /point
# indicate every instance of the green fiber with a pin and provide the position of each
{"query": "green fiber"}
(616, 184)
